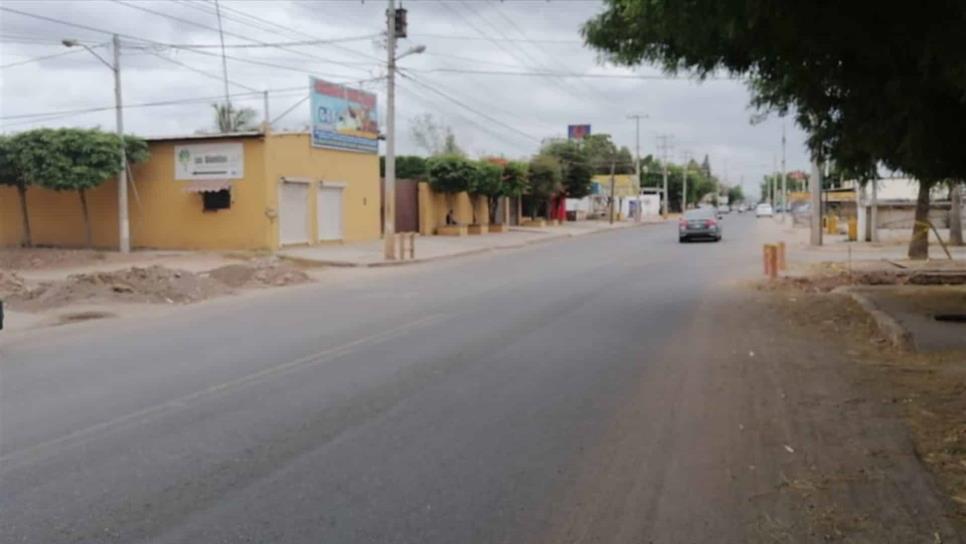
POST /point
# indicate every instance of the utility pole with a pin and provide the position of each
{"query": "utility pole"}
(389, 192)
(123, 226)
(784, 178)
(613, 160)
(815, 188)
(637, 153)
(684, 187)
(875, 211)
(224, 60)
(267, 124)
(772, 180)
(665, 147)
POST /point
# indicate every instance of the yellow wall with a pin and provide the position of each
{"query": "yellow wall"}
(291, 155)
(167, 217)
(434, 206)
(56, 218)
(164, 216)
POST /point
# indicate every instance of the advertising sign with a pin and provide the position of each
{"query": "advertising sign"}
(343, 118)
(577, 132)
(209, 161)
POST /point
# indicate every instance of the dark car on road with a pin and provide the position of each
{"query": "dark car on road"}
(701, 223)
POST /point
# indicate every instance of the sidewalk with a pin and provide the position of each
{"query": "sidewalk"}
(429, 248)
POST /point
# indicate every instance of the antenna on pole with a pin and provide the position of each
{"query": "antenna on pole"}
(224, 60)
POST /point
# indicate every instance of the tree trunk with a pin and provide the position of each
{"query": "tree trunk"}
(956, 214)
(919, 245)
(493, 203)
(87, 219)
(27, 238)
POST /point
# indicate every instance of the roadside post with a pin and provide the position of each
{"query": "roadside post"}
(781, 256)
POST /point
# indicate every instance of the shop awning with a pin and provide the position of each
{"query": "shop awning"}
(207, 185)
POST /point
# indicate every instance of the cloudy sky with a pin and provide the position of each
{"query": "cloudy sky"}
(500, 73)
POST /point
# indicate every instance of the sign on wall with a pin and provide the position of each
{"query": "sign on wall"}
(209, 161)
(343, 118)
(577, 132)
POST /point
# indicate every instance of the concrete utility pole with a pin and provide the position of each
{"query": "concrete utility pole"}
(815, 187)
(612, 183)
(123, 226)
(784, 178)
(637, 153)
(389, 192)
(267, 123)
(665, 146)
(684, 187)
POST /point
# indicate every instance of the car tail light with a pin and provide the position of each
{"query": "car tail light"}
(710, 223)
(682, 223)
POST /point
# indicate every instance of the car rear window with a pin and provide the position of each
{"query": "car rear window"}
(698, 214)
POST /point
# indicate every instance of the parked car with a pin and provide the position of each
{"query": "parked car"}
(764, 210)
(724, 208)
(699, 223)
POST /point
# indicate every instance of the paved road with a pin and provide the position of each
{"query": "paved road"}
(548, 394)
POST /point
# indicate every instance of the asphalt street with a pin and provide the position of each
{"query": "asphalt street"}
(471, 400)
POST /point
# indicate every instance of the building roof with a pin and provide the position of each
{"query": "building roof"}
(213, 136)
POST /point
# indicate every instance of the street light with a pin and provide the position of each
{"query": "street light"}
(389, 191)
(124, 229)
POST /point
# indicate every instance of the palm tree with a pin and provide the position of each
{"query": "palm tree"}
(229, 119)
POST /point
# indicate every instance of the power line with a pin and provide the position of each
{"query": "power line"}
(200, 71)
(36, 59)
(272, 44)
(142, 104)
(512, 40)
(240, 36)
(291, 31)
(467, 107)
(570, 75)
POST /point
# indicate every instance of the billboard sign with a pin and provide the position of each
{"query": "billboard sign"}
(343, 118)
(209, 161)
(577, 132)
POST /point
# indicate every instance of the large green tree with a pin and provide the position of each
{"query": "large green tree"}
(12, 174)
(873, 83)
(575, 164)
(545, 176)
(73, 159)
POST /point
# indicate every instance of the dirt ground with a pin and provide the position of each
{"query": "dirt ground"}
(927, 390)
(32, 258)
(149, 284)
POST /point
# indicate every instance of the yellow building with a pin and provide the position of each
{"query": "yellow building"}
(624, 185)
(231, 191)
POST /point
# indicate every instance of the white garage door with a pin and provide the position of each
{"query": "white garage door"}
(293, 203)
(329, 213)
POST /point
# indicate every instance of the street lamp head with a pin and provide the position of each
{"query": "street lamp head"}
(414, 50)
(70, 43)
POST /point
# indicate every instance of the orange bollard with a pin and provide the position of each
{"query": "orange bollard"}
(781, 256)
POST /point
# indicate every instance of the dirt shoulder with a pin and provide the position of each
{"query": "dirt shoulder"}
(926, 390)
(776, 416)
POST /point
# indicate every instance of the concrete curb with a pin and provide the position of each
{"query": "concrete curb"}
(897, 335)
(380, 264)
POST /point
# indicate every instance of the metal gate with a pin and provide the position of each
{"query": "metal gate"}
(407, 205)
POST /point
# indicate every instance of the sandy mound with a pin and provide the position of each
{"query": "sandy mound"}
(11, 284)
(152, 284)
(261, 273)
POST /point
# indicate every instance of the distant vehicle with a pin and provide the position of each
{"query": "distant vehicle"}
(742, 208)
(764, 210)
(699, 223)
(724, 208)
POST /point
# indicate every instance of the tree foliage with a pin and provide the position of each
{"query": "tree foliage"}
(434, 137)
(516, 178)
(699, 184)
(575, 163)
(229, 119)
(451, 174)
(488, 180)
(73, 159)
(407, 167)
(11, 174)
(863, 99)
